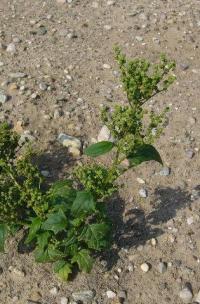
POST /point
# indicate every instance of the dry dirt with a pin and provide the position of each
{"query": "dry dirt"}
(63, 49)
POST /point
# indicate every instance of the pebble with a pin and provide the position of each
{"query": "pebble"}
(54, 291)
(184, 66)
(104, 134)
(165, 171)
(143, 193)
(162, 267)
(139, 38)
(110, 294)
(197, 298)
(11, 48)
(186, 295)
(106, 66)
(153, 242)
(189, 153)
(85, 296)
(64, 300)
(17, 75)
(122, 295)
(190, 220)
(140, 180)
(69, 141)
(61, 1)
(43, 86)
(3, 97)
(145, 267)
(110, 2)
(45, 173)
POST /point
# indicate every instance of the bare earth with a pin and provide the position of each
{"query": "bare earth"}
(66, 51)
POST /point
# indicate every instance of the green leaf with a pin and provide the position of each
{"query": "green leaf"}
(83, 204)
(43, 239)
(62, 191)
(55, 222)
(96, 236)
(33, 229)
(3, 234)
(99, 148)
(144, 153)
(50, 254)
(63, 269)
(84, 260)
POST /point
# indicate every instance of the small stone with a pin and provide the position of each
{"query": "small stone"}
(64, 300)
(110, 2)
(130, 268)
(139, 38)
(104, 134)
(143, 193)
(69, 141)
(61, 1)
(45, 173)
(189, 153)
(42, 30)
(106, 66)
(85, 296)
(140, 180)
(190, 220)
(110, 294)
(162, 267)
(165, 171)
(184, 66)
(74, 151)
(17, 75)
(53, 291)
(107, 27)
(16, 272)
(197, 298)
(145, 267)
(153, 242)
(3, 97)
(186, 295)
(43, 86)
(11, 48)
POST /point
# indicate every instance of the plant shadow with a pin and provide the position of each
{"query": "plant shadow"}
(133, 227)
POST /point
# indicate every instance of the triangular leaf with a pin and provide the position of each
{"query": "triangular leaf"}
(62, 191)
(50, 254)
(144, 153)
(84, 260)
(3, 234)
(99, 148)
(33, 229)
(63, 269)
(96, 236)
(56, 222)
(83, 204)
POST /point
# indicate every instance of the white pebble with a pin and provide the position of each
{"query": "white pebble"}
(110, 294)
(145, 267)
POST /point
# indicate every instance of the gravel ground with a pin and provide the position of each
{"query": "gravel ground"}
(56, 71)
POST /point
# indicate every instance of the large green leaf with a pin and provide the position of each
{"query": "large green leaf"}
(63, 269)
(50, 254)
(96, 236)
(56, 222)
(83, 204)
(99, 148)
(33, 229)
(84, 260)
(144, 153)
(3, 234)
(62, 191)
(43, 239)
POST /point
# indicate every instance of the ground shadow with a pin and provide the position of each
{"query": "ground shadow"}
(133, 227)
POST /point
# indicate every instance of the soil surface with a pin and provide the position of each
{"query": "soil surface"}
(65, 52)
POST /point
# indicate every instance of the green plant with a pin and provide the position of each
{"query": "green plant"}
(133, 128)
(67, 225)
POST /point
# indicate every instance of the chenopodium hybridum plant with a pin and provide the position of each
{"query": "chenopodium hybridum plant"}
(67, 222)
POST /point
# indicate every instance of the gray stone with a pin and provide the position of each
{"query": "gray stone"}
(186, 295)
(184, 66)
(69, 141)
(189, 153)
(64, 300)
(85, 296)
(104, 134)
(162, 267)
(3, 97)
(17, 75)
(165, 171)
(11, 48)
(143, 192)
